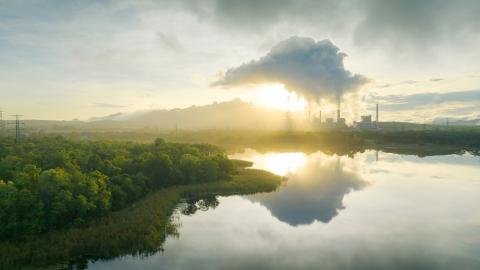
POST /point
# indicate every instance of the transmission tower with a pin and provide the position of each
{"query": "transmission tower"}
(18, 127)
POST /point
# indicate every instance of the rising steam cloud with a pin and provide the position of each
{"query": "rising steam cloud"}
(312, 69)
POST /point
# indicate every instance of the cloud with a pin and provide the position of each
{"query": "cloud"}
(258, 16)
(386, 85)
(413, 23)
(408, 82)
(398, 24)
(109, 105)
(412, 102)
(458, 107)
(312, 69)
(249, 14)
(170, 42)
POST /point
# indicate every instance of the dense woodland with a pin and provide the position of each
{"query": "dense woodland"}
(47, 183)
(139, 229)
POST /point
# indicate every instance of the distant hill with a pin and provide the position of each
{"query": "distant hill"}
(473, 120)
(234, 114)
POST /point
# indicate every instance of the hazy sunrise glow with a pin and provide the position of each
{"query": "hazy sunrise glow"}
(80, 59)
(275, 96)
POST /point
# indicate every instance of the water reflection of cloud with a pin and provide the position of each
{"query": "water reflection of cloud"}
(413, 167)
(400, 223)
(314, 193)
(240, 234)
(467, 160)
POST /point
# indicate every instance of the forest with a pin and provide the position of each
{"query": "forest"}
(49, 183)
(416, 142)
(139, 229)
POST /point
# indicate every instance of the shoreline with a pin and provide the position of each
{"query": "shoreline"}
(139, 229)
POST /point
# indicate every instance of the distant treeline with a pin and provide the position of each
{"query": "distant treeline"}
(334, 141)
(465, 138)
(47, 183)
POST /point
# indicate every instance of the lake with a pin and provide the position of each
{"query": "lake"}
(373, 210)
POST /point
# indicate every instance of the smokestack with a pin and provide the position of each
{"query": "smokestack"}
(376, 122)
(320, 116)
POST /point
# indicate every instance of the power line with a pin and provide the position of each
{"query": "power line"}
(18, 128)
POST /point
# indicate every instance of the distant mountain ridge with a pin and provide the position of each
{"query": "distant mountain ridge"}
(234, 114)
(119, 116)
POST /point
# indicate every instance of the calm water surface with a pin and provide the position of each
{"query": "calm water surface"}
(372, 211)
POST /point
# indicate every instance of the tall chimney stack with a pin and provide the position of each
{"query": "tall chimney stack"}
(376, 122)
(320, 116)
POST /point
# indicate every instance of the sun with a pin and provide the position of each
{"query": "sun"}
(276, 96)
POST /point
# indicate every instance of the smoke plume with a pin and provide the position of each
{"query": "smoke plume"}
(312, 69)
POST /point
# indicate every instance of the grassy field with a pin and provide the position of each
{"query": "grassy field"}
(140, 229)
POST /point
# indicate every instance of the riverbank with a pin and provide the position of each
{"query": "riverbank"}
(139, 229)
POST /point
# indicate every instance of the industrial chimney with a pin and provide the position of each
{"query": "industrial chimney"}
(376, 122)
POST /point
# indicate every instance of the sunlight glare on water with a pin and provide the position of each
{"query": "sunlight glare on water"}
(277, 163)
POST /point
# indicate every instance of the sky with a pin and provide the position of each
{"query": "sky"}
(79, 59)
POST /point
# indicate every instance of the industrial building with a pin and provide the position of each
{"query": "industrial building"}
(329, 122)
(367, 123)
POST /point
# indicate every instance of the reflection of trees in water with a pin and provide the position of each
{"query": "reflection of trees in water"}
(113, 239)
(315, 192)
(145, 244)
(153, 242)
(141, 231)
(203, 203)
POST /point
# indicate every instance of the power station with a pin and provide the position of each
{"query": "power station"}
(365, 123)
